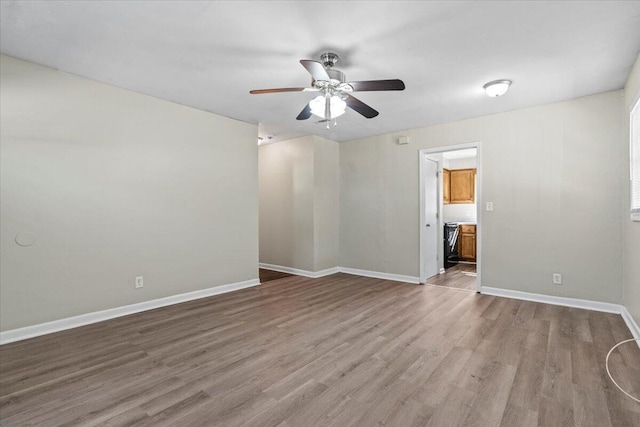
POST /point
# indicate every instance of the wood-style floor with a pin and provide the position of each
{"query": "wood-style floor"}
(460, 276)
(342, 350)
(268, 275)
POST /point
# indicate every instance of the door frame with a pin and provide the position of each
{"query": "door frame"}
(423, 233)
(422, 159)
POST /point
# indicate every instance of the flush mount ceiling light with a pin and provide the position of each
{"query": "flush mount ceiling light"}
(497, 87)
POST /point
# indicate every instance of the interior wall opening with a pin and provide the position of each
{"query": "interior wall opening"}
(449, 213)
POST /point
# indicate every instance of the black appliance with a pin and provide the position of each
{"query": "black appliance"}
(450, 244)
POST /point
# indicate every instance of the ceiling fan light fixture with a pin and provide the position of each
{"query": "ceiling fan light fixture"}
(336, 91)
(336, 104)
(497, 87)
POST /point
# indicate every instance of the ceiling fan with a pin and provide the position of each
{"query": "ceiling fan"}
(335, 91)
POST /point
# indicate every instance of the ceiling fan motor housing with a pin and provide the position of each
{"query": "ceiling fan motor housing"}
(336, 84)
(329, 59)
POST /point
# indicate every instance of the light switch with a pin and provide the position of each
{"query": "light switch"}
(489, 206)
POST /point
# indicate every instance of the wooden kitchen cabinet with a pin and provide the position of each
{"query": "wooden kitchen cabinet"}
(463, 186)
(458, 186)
(446, 185)
(467, 242)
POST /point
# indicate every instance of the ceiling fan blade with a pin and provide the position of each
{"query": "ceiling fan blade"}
(305, 113)
(360, 107)
(316, 69)
(282, 89)
(371, 85)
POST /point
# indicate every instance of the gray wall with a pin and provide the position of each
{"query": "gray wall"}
(299, 203)
(553, 173)
(286, 177)
(115, 184)
(631, 229)
(326, 208)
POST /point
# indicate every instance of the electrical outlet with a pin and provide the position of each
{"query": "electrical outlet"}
(489, 206)
(557, 279)
(139, 282)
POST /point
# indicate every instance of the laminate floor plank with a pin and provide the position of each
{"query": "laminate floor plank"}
(268, 275)
(517, 416)
(341, 350)
(590, 407)
(385, 402)
(553, 413)
(287, 405)
(527, 385)
(460, 276)
(557, 385)
(454, 408)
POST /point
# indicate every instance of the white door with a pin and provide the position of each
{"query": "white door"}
(431, 202)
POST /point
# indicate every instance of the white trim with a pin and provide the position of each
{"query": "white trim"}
(479, 204)
(298, 272)
(634, 145)
(479, 207)
(422, 161)
(10, 336)
(99, 316)
(570, 302)
(555, 300)
(423, 220)
(327, 272)
(631, 323)
(347, 270)
(380, 275)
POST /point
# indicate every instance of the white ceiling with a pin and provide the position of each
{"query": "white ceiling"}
(208, 55)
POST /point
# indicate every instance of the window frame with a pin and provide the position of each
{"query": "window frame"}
(634, 151)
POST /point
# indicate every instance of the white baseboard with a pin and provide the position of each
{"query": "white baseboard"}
(327, 272)
(298, 272)
(570, 302)
(631, 323)
(379, 275)
(357, 272)
(99, 316)
(554, 300)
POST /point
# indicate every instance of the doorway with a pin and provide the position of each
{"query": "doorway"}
(450, 219)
